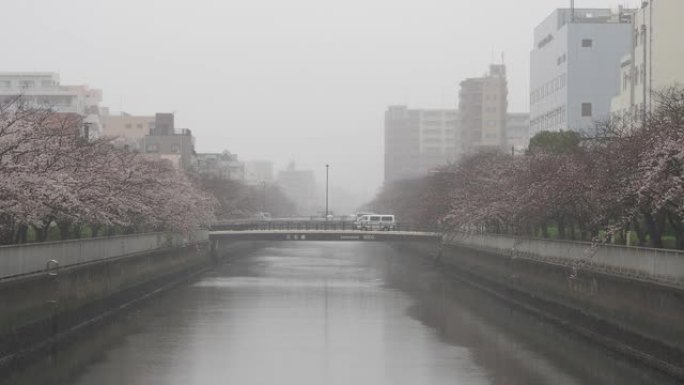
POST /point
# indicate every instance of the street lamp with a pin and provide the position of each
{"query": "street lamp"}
(327, 168)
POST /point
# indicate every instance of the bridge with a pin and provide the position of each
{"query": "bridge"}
(315, 230)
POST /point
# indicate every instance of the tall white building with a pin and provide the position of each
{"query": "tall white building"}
(419, 140)
(43, 89)
(574, 67)
(656, 56)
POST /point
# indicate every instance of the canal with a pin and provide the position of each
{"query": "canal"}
(329, 313)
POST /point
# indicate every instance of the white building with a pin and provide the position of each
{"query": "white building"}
(419, 140)
(656, 56)
(43, 89)
(221, 165)
(574, 67)
(517, 132)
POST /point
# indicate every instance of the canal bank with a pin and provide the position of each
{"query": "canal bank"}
(52, 291)
(626, 299)
(331, 313)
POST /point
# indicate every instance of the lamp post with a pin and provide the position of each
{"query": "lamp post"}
(327, 168)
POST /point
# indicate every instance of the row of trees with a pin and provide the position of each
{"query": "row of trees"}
(52, 179)
(629, 176)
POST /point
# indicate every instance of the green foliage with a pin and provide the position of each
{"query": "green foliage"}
(555, 143)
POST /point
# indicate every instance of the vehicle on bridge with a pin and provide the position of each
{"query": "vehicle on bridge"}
(385, 222)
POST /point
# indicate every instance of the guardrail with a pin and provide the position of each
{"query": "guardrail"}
(26, 259)
(320, 224)
(660, 265)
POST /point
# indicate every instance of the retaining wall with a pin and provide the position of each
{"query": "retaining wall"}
(38, 307)
(630, 299)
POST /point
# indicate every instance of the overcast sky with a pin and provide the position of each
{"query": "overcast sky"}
(303, 80)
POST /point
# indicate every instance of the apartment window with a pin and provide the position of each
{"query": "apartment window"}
(152, 147)
(128, 125)
(586, 109)
(139, 125)
(587, 43)
(5, 84)
(175, 148)
(26, 84)
(46, 83)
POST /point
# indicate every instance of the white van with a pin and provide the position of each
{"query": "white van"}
(375, 222)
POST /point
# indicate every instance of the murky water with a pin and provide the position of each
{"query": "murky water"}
(330, 313)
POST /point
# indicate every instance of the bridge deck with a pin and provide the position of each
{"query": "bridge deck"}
(326, 235)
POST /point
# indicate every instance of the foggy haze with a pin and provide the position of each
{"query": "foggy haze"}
(302, 80)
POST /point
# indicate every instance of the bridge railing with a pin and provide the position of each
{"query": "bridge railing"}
(26, 259)
(285, 225)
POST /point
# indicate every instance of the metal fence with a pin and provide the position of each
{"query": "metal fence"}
(635, 262)
(20, 260)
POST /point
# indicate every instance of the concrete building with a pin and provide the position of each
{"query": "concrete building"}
(517, 132)
(655, 59)
(483, 104)
(258, 172)
(128, 129)
(419, 140)
(221, 165)
(43, 90)
(300, 187)
(167, 142)
(574, 67)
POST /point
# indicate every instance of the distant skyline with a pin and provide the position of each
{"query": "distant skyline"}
(303, 80)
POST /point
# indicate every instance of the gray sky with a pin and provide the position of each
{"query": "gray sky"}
(306, 80)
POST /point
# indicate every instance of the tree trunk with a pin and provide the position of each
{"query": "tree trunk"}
(655, 224)
(640, 233)
(561, 228)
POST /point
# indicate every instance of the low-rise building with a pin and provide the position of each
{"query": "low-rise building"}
(128, 129)
(43, 90)
(221, 165)
(167, 142)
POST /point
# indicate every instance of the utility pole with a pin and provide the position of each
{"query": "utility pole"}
(327, 168)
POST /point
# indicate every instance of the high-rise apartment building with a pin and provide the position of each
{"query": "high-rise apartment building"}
(43, 90)
(483, 104)
(419, 140)
(655, 59)
(574, 67)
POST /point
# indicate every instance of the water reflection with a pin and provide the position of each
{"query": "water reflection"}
(330, 313)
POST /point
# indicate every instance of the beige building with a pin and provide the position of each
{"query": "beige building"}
(483, 104)
(656, 59)
(128, 129)
(419, 140)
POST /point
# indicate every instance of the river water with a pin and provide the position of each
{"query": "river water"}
(330, 313)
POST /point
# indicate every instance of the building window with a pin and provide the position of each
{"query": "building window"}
(587, 43)
(139, 125)
(5, 84)
(586, 110)
(128, 125)
(152, 147)
(175, 148)
(26, 84)
(46, 83)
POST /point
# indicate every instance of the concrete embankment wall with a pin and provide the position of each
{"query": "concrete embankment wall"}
(629, 299)
(40, 306)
